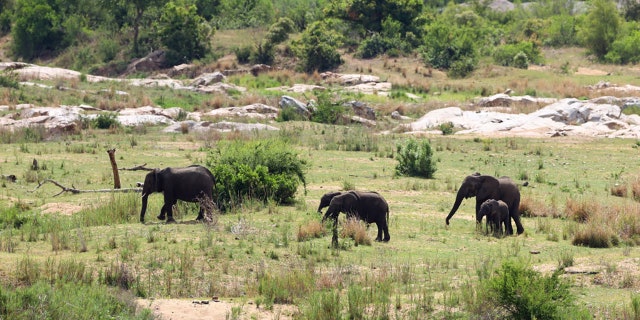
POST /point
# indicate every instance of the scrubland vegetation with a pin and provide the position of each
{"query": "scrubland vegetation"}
(86, 256)
(268, 254)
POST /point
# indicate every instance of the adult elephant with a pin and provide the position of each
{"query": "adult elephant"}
(369, 207)
(497, 213)
(326, 199)
(192, 184)
(485, 187)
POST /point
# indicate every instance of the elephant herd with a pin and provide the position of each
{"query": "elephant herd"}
(496, 198)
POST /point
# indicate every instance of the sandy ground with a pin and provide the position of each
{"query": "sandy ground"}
(181, 309)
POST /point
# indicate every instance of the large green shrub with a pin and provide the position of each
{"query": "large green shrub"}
(327, 111)
(318, 47)
(260, 170)
(506, 55)
(516, 291)
(36, 29)
(446, 46)
(183, 32)
(415, 159)
(600, 28)
(625, 50)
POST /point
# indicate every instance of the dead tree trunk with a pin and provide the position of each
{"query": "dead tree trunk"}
(114, 166)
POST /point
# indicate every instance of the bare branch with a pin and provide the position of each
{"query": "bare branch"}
(140, 167)
(73, 190)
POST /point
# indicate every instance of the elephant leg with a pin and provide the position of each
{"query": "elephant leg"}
(519, 227)
(379, 237)
(508, 227)
(163, 211)
(385, 229)
(170, 218)
(200, 214)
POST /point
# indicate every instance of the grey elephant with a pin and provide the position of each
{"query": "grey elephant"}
(192, 184)
(485, 187)
(367, 206)
(497, 213)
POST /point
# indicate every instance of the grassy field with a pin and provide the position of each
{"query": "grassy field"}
(270, 255)
(254, 254)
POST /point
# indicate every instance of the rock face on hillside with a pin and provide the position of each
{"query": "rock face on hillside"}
(600, 117)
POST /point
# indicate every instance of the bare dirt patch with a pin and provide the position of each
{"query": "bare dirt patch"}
(173, 309)
(591, 72)
(61, 208)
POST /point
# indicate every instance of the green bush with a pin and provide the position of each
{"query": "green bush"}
(43, 301)
(516, 291)
(36, 29)
(327, 111)
(105, 121)
(259, 170)
(415, 159)
(505, 55)
(450, 47)
(243, 54)
(521, 61)
(183, 32)
(318, 47)
(625, 50)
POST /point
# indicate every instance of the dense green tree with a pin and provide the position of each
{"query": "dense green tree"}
(370, 14)
(133, 13)
(318, 47)
(447, 46)
(301, 12)
(600, 28)
(626, 49)
(236, 14)
(208, 8)
(183, 32)
(560, 31)
(37, 29)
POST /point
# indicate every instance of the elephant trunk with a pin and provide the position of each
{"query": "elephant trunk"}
(456, 205)
(144, 206)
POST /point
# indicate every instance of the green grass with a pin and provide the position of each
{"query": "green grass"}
(281, 254)
(426, 266)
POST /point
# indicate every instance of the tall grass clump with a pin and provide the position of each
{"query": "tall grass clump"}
(119, 208)
(285, 287)
(581, 211)
(595, 235)
(313, 229)
(415, 159)
(67, 301)
(323, 305)
(259, 170)
(356, 230)
(516, 291)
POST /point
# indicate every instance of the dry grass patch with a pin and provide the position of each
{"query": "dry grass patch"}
(530, 207)
(313, 229)
(635, 189)
(581, 211)
(619, 190)
(356, 230)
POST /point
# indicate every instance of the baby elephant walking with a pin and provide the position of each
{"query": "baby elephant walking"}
(369, 207)
(497, 213)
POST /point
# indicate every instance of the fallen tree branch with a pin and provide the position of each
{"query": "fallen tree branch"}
(73, 190)
(140, 167)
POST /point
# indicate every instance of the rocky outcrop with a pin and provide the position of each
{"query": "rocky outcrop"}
(572, 117)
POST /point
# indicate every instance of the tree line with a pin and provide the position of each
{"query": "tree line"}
(448, 35)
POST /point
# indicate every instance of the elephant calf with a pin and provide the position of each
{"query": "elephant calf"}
(369, 207)
(497, 213)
